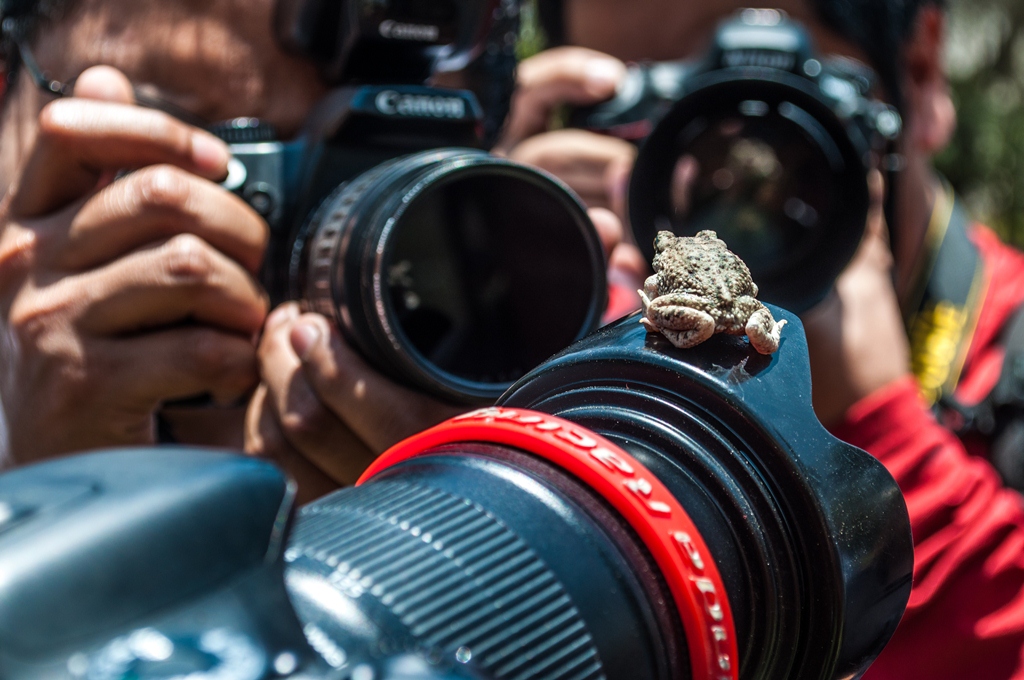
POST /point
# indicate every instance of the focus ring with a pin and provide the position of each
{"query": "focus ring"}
(330, 226)
(639, 497)
(458, 579)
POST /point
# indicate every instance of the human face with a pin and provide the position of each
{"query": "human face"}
(664, 30)
(215, 58)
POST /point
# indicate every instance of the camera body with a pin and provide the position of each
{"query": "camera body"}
(380, 54)
(355, 129)
(761, 140)
(757, 38)
(451, 270)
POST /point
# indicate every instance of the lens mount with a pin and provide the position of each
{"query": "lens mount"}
(634, 492)
(762, 157)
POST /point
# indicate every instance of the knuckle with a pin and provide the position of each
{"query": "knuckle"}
(18, 249)
(188, 259)
(543, 152)
(36, 319)
(223, 362)
(164, 187)
(273, 345)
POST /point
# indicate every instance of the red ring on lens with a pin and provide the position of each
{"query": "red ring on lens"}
(638, 496)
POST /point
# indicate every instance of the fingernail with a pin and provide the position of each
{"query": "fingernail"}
(284, 313)
(209, 152)
(603, 76)
(304, 337)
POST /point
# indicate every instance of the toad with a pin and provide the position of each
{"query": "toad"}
(700, 288)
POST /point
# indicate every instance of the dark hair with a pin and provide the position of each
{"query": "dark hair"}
(20, 20)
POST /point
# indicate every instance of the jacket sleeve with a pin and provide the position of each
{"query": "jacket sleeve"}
(965, 618)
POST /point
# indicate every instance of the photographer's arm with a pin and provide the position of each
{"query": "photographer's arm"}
(120, 294)
(856, 337)
(965, 617)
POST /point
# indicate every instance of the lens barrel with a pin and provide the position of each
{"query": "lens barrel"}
(479, 543)
(683, 516)
(453, 270)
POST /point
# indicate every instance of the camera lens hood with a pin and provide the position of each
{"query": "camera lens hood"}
(811, 535)
(678, 515)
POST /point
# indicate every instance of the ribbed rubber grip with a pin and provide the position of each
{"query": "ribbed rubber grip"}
(455, 576)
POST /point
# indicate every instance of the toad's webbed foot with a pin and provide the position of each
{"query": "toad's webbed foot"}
(683, 326)
(764, 332)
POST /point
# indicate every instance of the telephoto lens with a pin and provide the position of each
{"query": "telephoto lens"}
(453, 269)
(628, 510)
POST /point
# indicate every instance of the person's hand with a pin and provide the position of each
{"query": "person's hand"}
(324, 414)
(597, 167)
(321, 411)
(121, 292)
(856, 337)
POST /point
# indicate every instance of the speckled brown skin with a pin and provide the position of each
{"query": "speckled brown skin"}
(700, 288)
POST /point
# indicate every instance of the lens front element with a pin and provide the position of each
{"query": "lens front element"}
(481, 277)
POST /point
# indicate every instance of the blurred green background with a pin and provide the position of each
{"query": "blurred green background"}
(985, 61)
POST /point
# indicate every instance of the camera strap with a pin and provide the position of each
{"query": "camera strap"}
(941, 330)
(945, 302)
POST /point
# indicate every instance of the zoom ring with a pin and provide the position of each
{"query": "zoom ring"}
(457, 578)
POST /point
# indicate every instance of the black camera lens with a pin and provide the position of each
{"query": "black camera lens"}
(454, 270)
(685, 516)
(767, 164)
(665, 515)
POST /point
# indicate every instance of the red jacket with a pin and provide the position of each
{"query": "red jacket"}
(965, 619)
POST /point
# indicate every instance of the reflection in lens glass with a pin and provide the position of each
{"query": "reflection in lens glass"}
(481, 279)
(758, 178)
(685, 173)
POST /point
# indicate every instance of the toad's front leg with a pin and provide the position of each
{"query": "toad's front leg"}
(676, 317)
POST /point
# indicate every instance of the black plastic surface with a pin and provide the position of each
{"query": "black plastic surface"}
(147, 563)
(87, 550)
(811, 534)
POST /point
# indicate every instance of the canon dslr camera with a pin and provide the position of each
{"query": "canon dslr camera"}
(763, 141)
(450, 269)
